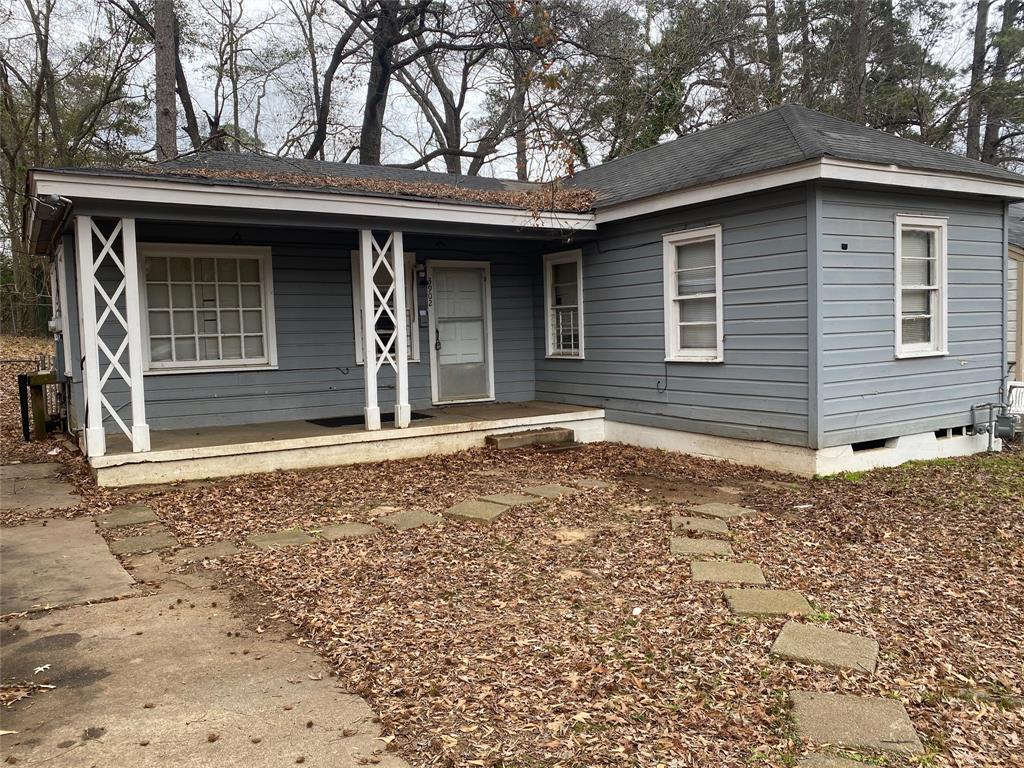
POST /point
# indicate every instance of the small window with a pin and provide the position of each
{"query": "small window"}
(207, 307)
(384, 325)
(693, 295)
(563, 302)
(921, 306)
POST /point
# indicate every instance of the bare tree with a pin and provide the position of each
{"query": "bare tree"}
(166, 112)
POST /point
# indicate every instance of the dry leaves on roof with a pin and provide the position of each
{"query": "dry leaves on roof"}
(546, 197)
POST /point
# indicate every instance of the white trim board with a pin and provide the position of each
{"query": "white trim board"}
(826, 169)
(185, 192)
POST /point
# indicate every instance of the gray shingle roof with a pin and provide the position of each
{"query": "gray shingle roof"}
(774, 139)
(1016, 228)
(241, 162)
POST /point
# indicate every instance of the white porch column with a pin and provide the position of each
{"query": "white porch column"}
(403, 413)
(95, 439)
(382, 271)
(124, 336)
(371, 411)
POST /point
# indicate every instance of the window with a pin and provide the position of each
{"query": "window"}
(563, 303)
(920, 286)
(384, 325)
(693, 295)
(207, 307)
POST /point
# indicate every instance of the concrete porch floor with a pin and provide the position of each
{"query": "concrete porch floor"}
(220, 451)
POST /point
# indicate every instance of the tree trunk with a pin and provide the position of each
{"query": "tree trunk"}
(771, 30)
(1008, 47)
(806, 80)
(856, 65)
(381, 66)
(166, 109)
(519, 122)
(975, 97)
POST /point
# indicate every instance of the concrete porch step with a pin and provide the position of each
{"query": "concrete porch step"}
(548, 436)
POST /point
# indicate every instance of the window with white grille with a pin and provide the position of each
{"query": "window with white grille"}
(563, 303)
(921, 306)
(207, 307)
(693, 295)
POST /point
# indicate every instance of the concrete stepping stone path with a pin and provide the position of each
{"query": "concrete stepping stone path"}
(512, 499)
(280, 539)
(476, 511)
(767, 602)
(549, 491)
(407, 520)
(593, 482)
(721, 511)
(699, 524)
(347, 531)
(719, 572)
(818, 645)
(829, 761)
(34, 487)
(681, 546)
(206, 552)
(127, 515)
(863, 722)
(160, 539)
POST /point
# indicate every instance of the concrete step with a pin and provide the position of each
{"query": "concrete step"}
(547, 436)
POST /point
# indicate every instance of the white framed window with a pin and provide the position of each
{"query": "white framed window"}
(921, 302)
(693, 295)
(384, 326)
(206, 307)
(563, 304)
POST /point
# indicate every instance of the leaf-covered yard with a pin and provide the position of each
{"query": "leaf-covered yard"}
(566, 635)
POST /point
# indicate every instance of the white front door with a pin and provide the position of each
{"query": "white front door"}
(461, 368)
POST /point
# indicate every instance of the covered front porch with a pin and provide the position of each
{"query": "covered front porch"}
(204, 452)
(204, 342)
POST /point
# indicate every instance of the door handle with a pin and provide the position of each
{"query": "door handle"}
(437, 339)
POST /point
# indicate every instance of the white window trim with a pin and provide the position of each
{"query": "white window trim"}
(939, 345)
(412, 307)
(269, 362)
(550, 260)
(673, 352)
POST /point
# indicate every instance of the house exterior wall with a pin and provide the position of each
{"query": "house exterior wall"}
(317, 376)
(760, 391)
(868, 394)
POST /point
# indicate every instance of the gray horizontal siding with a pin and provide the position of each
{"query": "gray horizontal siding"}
(867, 393)
(317, 376)
(760, 391)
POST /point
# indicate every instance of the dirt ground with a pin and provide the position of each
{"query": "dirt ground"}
(566, 635)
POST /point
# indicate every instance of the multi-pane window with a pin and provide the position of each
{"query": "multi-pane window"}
(206, 307)
(563, 288)
(693, 295)
(921, 286)
(384, 326)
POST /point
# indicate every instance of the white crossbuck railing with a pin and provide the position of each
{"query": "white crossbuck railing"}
(385, 338)
(112, 333)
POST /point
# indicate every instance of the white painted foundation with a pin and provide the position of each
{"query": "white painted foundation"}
(794, 459)
(201, 463)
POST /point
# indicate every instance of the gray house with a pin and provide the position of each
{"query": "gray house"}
(788, 290)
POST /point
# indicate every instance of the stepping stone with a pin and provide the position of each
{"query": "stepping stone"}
(147, 543)
(702, 524)
(477, 511)
(829, 648)
(405, 521)
(729, 489)
(830, 761)
(593, 482)
(207, 552)
(727, 573)
(128, 514)
(512, 499)
(721, 511)
(29, 471)
(683, 546)
(347, 531)
(280, 539)
(767, 602)
(549, 491)
(863, 722)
